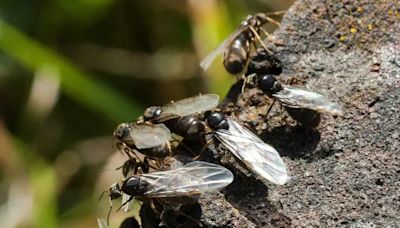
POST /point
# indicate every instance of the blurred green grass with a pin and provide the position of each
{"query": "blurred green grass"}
(81, 87)
(60, 100)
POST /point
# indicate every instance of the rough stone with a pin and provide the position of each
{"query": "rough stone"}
(346, 172)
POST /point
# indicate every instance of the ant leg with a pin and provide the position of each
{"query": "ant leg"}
(159, 164)
(294, 81)
(270, 107)
(244, 85)
(285, 116)
(101, 196)
(146, 165)
(139, 170)
(275, 13)
(290, 81)
(190, 218)
(258, 38)
(154, 167)
(244, 82)
(247, 79)
(119, 167)
(129, 167)
(270, 37)
(202, 150)
(266, 33)
(189, 149)
(127, 150)
(126, 202)
(134, 152)
(123, 148)
(153, 206)
(135, 168)
(273, 21)
(238, 77)
(185, 146)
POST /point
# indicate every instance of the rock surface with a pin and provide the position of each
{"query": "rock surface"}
(347, 171)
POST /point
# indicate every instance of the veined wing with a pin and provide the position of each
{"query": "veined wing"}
(188, 106)
(206, 62)
(238, 130)
(258, 156)
(193, 178)
(127, 205)
(295, 97)
(149, 135)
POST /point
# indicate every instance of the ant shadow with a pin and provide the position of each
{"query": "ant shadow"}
(234, 92)
(130, 222)
(297, 142)
(250, 196)
(188, 215)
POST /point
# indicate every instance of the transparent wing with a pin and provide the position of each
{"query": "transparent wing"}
(259, 157)
(188, 106)
(193, 178)
(295, 97)
(102, 223)
(149, 135)
(206, 62)
(127, 205)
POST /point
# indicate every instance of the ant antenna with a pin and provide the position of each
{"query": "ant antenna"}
(126, 202)
(109, 212)
(101, 196)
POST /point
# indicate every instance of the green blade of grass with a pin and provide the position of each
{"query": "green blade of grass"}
(84, 89)
(41, 184)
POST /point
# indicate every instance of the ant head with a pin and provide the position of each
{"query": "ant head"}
(122, 136)
(114, 192)
(134, 186)
(216, 120)
(132, 166)
(269, 84)
(122, 131)
(151, 113)
(261, 18)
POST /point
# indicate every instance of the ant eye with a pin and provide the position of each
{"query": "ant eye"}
(266, 82)
(122, 131)
(269, 84)
(223, 125)
(216, 120)
(152, 112)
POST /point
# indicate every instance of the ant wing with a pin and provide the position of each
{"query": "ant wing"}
(102, 223)
(206, 62)
(193, 178)
(149, 135)
(295, 97)
(188, 106)
(127, 205)
(258, 156)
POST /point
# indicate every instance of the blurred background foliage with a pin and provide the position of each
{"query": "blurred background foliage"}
(71, 70)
